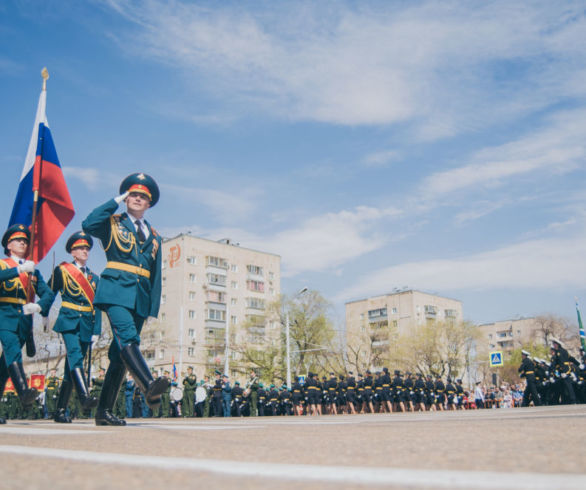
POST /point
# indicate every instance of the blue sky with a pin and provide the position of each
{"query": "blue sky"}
(373, 144)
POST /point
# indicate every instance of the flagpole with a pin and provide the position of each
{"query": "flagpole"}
(31, 348)
(45, 75)
(580, 326)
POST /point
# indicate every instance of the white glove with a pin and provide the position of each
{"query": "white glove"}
(95, 338)
(31, 308)
(28, 267)
(552, 380)
(582, 366)
(121, 197)
(564, 375)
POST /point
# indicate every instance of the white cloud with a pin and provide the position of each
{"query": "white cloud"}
(381, 158)
(91, 177)
(534, 264)
(558, 147)
(226, 206)
(317, 244)
(449, 67)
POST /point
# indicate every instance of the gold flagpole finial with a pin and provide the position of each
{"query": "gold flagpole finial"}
(45, 75)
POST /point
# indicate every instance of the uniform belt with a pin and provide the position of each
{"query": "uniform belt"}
(312, 387)
(386, 386)
(529, 372)
(16, 301)
(73, 306)
(121, 266)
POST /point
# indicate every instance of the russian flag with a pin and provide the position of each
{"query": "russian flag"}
(42, 174)
(174, 369)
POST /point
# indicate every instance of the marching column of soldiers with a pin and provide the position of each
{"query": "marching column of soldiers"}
(561, 381)
(129, 292)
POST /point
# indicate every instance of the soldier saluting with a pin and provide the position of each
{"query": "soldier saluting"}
(130, 288)
(77, 321)
(17, 277)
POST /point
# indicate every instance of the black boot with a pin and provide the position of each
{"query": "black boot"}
(62, 402)
(87, 401)
(135, 363)
(110, 388)
(27, 395)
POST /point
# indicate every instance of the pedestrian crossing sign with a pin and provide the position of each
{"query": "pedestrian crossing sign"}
(496, 358)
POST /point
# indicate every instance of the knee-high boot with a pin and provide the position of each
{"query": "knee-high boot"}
(112, 383)
(135, 363)
(62, 402)
(86, 400)
(27, 395)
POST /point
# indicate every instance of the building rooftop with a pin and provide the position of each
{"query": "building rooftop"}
(401, 291)
(227, 242)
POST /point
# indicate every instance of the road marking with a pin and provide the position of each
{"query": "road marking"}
(325, 474)
(192, 427)
(32, 431)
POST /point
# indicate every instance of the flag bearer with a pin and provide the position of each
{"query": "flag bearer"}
(16, 312)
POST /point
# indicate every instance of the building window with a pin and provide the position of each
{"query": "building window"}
(489, 336)
(451, 313)
(217, 262)
(394, 311)
(162, 354)
(164, 265)
(149, 354)
(191, 314)
(191, 260)
(190, 351)
(234, 285)
(163, 299)
(163, 316)
(219, 315)
(191, 277)
(233, 319)
(254, 269)
(191, 295)
(191, 333)
(216, 296)
(233, 301)
(395, 323)
(234, 268)
(256, 303)
(271, 291)
(377, 313)
(255, 286)
(271, 276)
(217, 279)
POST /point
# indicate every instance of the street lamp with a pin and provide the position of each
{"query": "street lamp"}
(300, 292)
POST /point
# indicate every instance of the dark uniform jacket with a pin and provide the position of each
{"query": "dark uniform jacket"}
(132, 277)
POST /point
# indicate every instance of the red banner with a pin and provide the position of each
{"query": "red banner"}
(9, 386)
(37, 381)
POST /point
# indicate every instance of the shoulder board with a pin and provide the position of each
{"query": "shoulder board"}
(116, 217)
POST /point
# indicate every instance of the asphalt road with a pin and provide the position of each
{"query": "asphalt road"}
(509, 448)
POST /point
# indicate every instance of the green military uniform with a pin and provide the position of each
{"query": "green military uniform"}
(17, 278)
(96, 391)
(253, 386)
(129, 289)
(166, 400)
(187, 402)
(51, 393)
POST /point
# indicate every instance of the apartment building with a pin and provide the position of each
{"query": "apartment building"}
(371, 323)
(212, 292)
